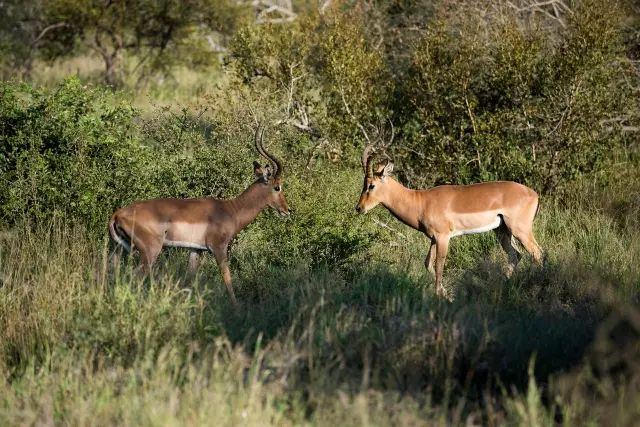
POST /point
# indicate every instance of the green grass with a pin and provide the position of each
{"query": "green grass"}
(338, 324)
(85, 342)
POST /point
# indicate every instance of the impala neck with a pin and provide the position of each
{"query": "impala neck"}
(248, 205)
(401, 202)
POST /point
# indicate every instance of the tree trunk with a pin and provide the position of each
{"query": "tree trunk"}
(110, 63)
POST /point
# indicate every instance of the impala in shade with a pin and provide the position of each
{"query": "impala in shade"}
(200, 225)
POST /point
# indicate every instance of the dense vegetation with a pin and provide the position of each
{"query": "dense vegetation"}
(339, 324)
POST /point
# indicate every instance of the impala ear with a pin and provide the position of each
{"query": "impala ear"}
(257, 169)
(388, 169)
(385, 168)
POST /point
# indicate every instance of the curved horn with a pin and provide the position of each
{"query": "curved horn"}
(260, 147)
(258, 140)
(366, 160)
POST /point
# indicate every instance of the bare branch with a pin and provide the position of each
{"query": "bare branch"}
(385, 225)
(215, 46)
(47, 29)
(325, 6)
(552, 9)
(353, 117)
(282, 9)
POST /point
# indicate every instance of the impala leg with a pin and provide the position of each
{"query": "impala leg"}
(194, 262)
(430, 260)
(523, 231)
(442, 247)
(116, 257)
(149, 254)
(505, 237)
(149, 246)
(530, 244)
(223, 263)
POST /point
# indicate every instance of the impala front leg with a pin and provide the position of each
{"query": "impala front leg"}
(430, 260)
(442, 247)
(223, 263)
(194, 262)
(513, 256)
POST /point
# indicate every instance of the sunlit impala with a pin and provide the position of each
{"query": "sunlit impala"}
(447, 211)
(204, 224)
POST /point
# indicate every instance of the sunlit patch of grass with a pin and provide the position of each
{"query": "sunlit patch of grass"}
(182, 85)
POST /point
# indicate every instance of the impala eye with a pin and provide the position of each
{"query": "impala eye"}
(371, 186)
(277, 188)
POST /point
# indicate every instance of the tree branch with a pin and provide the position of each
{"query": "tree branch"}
(46, 30)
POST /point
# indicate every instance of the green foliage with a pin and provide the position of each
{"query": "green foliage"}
(76, 153)
(324, 229)
(510, 98)
(65, 152)
(517, 101)
(354, 70)
(326, 67)
(160, 34)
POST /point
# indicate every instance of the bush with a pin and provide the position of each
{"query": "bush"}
(483, 96)
(517, 100)
(79, 152)
(70, 152)
(324, 228)
(324, 68)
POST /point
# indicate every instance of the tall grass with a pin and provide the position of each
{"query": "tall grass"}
(183, 86)
(85, 341)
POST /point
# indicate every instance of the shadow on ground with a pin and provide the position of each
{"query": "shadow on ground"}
(378, 328)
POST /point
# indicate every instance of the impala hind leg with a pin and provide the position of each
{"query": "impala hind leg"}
(148, 255)
(524, 234)
(505, 238)
(442, 247)
(146, 241)
(223, 263)
(520, 224)
(149, 246)
(529, 242)
(115, 258)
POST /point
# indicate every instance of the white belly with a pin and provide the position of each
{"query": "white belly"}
(178, 244)
(187, 235)
(495, 224)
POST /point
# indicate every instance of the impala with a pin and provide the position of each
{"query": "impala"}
(447, 211)
(204, 224)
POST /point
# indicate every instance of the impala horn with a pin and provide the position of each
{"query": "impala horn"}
(260, 147)
(367, 164)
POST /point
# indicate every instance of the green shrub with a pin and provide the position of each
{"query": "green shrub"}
(324, 228)
(80, 152)
(69, 152)
(480, 98)
(326, 67)
(516, 100)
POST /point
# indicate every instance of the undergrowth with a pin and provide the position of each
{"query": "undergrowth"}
(367, 343)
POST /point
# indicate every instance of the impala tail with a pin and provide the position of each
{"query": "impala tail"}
(115, 231)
